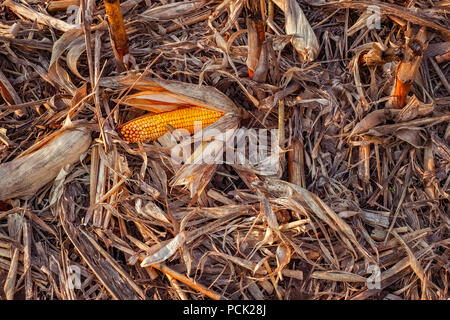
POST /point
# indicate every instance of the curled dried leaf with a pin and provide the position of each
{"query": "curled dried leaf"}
(152, 210)
(56, 73)
(370, 121)
(304, 39)
(165, 252)
(283, 255)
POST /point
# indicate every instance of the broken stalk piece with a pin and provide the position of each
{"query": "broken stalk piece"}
(256, 34)
(407, 68)
(296, 156)
(62, 5)
(118, 33)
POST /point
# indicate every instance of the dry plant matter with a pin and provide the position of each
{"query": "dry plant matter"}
(359, 208)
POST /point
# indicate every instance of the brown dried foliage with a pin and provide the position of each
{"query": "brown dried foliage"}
(369, 185)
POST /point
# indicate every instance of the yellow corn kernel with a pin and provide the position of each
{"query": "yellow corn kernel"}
(154, 126)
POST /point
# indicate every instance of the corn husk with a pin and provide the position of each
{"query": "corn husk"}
(186, 93)
(25, 175)
(304, 39)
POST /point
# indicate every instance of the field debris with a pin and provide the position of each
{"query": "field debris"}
(325, 174)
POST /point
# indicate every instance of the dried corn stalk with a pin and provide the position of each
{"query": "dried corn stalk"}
(304, 40)
(407, 68)
(296, 162)
(25, 175)
(429, 170)
(364, 158)
(62, 5)
(256, 34)
(118, 33)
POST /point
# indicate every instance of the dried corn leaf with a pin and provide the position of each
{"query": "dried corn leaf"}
(56, 73)
(172, 10)
(76, 49)
(7, 91)
(150, 209)
(413, 109)
(341, 276)
(106, 269)
(41, 18)
(409, 14)
(283, 254)
(165, 252)
(304, 39)
(318, 208)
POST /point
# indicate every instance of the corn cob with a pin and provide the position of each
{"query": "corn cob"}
(152, 127)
